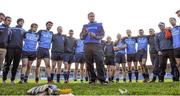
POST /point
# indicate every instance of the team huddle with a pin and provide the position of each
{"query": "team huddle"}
(17, 44)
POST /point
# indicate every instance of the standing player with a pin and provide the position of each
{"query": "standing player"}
(131, 54)
(29, 52)
(164, 46)
(57, 51)
(120, 57)
(176, 40)
(142, 42)
(92, 33)
(14, 50)
(109, 59)
(69, 55)
(4, 34)
(44, 44)
(79, 59)
(153, 54)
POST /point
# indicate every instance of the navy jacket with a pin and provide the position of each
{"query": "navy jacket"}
(70, 45)
(162, 43)
(16, 40)
(58, 43)
(4, 35)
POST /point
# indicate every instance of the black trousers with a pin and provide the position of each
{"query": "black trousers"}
(12, 55)
(155, 62)
(163, 62)
(94, 53)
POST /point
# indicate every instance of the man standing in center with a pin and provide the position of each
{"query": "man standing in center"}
(92, 33)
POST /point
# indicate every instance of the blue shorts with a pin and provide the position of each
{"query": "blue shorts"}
(69, 57)
(120, 58)
(30, 55)
(141, 54)
(43, 53)
(131, 58)
(109, 60)
(79, 58)
(57, 56)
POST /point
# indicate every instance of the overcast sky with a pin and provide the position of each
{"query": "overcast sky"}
(116, 15)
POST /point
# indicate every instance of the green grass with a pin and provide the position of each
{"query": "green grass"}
(167, 88)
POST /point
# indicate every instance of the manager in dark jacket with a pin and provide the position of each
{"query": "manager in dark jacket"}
(92, 33)
(164, 46)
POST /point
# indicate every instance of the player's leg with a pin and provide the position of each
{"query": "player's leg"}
(16, 61)
(117, 75)
(37, 70)
(163, 62)
(129, 63)
(48, 69)
(29, 66)
(174, 68)
(82, 71)
(31, 58)
(58, 73)
(124, 71)
(23, 69)
(76, 71)
(53, 67)
(8, 60)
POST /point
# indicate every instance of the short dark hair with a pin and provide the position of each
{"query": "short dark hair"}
(7, 18)
(172, 18)
(2, 14)
(34, 24)
(20, 19)
(141, 30)
(71, 30)
(177, 11)
(49, 22)
(90, 13)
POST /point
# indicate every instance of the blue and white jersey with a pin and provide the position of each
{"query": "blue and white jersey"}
(120, 44)
(142, 42)
(45, 39)
(30, 41)
(131, 45)
(95, 28)
(176, 36)
(79, 46)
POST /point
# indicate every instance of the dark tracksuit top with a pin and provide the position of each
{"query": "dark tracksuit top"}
(108, 50)
(58, 43)
(4, 35)
(94, 50)
(16, 40)
(70, 44)
(152, 45)
(162, 43)
(14, 51)
(166, 47)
